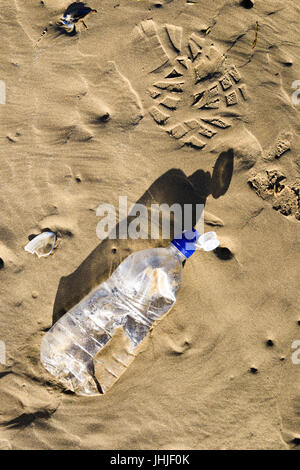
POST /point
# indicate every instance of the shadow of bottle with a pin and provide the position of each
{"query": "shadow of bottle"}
(170, 188)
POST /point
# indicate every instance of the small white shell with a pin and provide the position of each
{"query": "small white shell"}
(66, 24)
(42, 245)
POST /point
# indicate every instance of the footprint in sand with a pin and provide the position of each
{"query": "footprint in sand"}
(197, 93)
(271, 185)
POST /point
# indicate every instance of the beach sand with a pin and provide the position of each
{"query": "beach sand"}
(146, 103)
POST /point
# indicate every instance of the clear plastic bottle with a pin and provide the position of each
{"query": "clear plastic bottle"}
(92, 345)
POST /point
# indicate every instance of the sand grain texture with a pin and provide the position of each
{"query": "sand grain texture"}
(142, 104)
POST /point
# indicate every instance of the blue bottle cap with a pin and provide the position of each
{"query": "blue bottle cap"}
(186, 242)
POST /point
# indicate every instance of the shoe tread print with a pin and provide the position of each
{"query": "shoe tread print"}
(195, 92)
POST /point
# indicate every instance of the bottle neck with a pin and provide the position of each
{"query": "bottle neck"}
(177, 252)
(186, 242)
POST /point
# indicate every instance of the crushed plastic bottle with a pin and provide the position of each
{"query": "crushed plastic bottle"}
(90, 347)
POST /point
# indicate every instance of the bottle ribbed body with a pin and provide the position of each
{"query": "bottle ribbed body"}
(92, 345)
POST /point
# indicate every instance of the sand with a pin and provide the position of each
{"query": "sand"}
(165, 101)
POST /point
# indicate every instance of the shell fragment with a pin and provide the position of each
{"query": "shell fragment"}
(42, 245)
